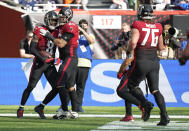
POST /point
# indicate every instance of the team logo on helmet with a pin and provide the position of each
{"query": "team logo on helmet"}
(67, 13)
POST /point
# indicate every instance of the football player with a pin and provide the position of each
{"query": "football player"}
(145, 41)
(125, 93)
(67, 41)
(122, 88)
(44, 50)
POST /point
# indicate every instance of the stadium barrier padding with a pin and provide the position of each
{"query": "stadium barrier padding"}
(101, 85)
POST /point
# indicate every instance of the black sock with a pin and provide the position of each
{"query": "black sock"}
(73, 97)
(25, 96)
(50, 96)
(128, 96)
(41, 105)
(128, 108)
(137, 92)
(160, 101)
(63, 93)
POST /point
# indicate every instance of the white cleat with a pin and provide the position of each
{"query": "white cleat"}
(74, 114)
(62, 115)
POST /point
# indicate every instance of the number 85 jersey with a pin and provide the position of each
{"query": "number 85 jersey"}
(149, 34)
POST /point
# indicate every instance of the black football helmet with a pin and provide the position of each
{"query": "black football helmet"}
(51, 19)
(145, 12)
(65, 15)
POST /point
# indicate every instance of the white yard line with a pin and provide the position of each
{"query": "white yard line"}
(100, 115)
(143, 126)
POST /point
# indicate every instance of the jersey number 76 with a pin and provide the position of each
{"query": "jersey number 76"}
(154, 38)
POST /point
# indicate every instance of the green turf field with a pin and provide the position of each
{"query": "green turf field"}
(9, 122)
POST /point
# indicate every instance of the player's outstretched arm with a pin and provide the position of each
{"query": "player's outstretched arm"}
(33, 47)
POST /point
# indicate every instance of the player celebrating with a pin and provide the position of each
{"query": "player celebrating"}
(145, 41)
(124, 92)
(68, 35)
(122, 88)
(44, 51)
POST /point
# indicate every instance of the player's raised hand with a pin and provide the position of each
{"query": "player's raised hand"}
(47, 34)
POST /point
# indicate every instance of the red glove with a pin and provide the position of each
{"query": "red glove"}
(57, 61)
(119, 75)
(49, 60)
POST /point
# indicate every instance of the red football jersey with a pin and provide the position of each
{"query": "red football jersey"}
(149, 34)
(44, 43)
(70, 27)
(71, 47)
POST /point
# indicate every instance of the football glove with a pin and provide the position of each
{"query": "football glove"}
(57, 61)
(43, 32)
(49, 60)
(120, 75)
(47, 34)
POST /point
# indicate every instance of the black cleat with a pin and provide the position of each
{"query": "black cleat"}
(146, 109)
(40, 111)
(164, 119)
(20, 112)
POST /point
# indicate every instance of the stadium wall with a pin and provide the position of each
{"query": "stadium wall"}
(100, 87)
(104, 24)
(12, 30)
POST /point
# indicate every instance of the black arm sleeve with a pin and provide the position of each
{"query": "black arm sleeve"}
(49, 36)
(35, 52)
(67, 36)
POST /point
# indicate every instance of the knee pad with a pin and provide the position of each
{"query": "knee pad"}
(121, 92)
(156, 94)
(159, 99)
(137, 90)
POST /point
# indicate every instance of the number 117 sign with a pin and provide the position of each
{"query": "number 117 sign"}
(107, 22)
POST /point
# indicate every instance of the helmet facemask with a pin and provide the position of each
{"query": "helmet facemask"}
(51, 20)
(62, 20)
(65, 15)
(52, 23)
